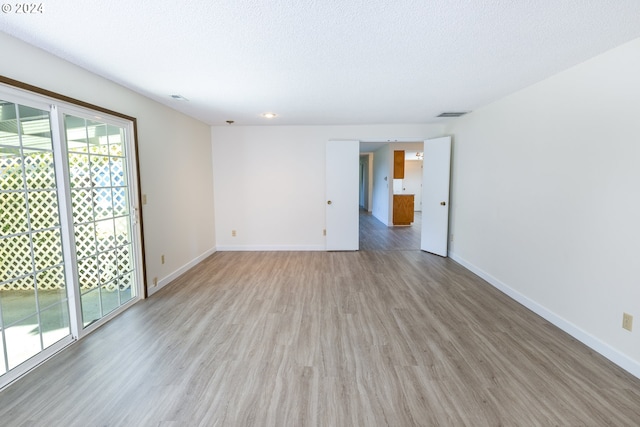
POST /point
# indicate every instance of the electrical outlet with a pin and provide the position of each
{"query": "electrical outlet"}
(233, 233)
(144, 199)
(155, 282)
(324, 232)
(627, 321)
(162, 258)
(451, 237)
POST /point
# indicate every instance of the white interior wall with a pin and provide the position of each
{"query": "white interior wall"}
(370, 183)
(174, 157)
(270, 181)
(364, 181)
(366, 169)
(369, 188)
(382, 184)
(545, 199)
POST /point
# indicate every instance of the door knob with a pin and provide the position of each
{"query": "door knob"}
(443, 203)
(329, 202)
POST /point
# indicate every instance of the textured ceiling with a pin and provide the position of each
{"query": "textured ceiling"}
(327, 61)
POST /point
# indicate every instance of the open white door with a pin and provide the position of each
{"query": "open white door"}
(342, 179)
(435, 195)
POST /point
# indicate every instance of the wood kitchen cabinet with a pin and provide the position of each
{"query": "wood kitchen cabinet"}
(403, 209)
(398, 164)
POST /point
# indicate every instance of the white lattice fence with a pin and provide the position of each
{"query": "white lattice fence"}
(30, 180)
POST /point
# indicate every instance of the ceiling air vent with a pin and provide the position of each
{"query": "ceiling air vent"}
(453, 114)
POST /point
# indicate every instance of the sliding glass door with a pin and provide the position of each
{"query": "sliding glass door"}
(102, 217)
(69, 238)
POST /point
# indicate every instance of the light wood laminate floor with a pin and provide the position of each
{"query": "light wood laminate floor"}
(375, 236)
(369, 338)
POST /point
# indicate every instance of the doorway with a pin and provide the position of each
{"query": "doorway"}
(376, 231)
(342, 164)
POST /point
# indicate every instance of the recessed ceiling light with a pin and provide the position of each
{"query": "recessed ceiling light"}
(179, 98)
(269, 115)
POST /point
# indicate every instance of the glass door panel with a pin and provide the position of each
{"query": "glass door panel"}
(34, 312)
(102, 220)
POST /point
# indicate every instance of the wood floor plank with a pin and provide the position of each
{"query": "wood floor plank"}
(367, 338)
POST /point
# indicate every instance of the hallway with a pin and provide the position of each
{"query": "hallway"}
(375, 236)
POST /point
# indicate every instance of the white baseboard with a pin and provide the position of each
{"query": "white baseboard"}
(171, 277)
(614, 355)
(258, 248)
